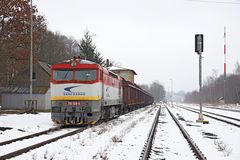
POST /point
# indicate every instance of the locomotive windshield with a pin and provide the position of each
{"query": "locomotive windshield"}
(86, 75)
(79, 75)
(62, 75)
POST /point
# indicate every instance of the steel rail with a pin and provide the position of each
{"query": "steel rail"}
(31, 135)
(207, 115)
(194, 147)
(31, 147)
(147, 147)
(224, 109)
(236, 119)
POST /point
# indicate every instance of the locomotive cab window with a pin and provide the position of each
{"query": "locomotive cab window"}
(62, 75)
(86, 75)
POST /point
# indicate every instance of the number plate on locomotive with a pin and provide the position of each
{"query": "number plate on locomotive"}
(73, 103)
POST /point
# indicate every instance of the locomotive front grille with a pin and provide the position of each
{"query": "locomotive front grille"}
(56, 109)
(76, 112)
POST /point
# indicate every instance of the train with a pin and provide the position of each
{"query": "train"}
(84, 92)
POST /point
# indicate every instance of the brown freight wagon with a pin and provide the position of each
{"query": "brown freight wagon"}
(134, 97)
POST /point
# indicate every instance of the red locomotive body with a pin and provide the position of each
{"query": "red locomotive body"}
(85, 92)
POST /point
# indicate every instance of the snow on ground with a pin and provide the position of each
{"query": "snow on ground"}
(228, 113)
(121, 138)
(169, 142)
(4, 149)
(18, 125)
(234, 107)
(217, 140)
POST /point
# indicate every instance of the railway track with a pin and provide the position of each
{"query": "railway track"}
(148, 146)
(31, 143)
(31, 135)
(210, 115)
(35, 137)
(194, 147)
(224, 109)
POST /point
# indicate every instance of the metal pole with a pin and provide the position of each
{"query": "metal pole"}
(31, 53)
(199, 50)
(225, 67)
(171, 92)
(200, 82)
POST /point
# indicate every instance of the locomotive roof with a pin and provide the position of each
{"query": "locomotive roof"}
(83, 61)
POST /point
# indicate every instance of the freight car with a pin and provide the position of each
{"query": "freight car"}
(83, 92)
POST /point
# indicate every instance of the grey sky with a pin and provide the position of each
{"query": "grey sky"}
(153, 37)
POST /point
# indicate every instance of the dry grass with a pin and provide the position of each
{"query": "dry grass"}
(102, 156)
(117, 139)
(82, 143)
(222, 148)
(102, 130)
(45, 154)
(181, 118)
(94, 129)
(150, 110)
(34, 156)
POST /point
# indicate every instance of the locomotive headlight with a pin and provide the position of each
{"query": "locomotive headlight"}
(53, 103)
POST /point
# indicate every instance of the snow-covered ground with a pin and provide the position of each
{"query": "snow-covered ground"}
(18, 125)
(123, 138)
(226, 112)
(169, 142)
(217, 140)
(235, 107)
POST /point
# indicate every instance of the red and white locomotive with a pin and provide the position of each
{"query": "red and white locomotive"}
(83, 92)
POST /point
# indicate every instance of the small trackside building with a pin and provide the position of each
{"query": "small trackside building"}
(15, 95)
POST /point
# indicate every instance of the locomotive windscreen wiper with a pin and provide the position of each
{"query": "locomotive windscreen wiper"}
(65, 75)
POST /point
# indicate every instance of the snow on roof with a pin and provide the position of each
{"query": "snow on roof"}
(83, 61)
(116, 68)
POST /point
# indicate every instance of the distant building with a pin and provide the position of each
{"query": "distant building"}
(127, 74)
(14, 96)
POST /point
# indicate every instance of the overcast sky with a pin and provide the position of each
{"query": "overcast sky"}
(153, 37)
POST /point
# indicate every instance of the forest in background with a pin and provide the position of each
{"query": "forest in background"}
(49, 47)
(213, 89)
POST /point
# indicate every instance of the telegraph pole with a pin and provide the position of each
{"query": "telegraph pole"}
(199, 50)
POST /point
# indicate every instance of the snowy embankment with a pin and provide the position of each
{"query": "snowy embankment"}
(121, 138)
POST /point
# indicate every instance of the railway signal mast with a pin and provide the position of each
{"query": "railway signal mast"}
(199, 50)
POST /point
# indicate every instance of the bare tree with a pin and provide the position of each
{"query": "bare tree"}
(158, 91)
(14, 36)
